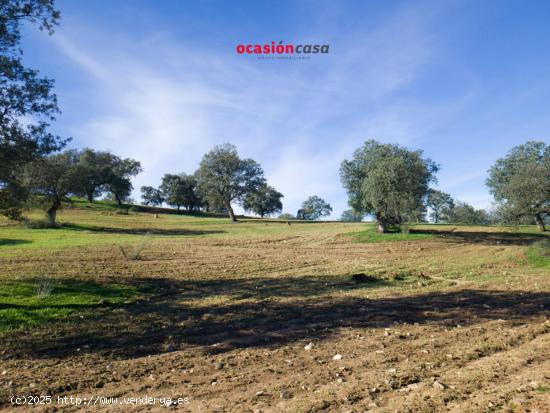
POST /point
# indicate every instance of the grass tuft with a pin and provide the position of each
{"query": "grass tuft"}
(538, 254)
(30, 302)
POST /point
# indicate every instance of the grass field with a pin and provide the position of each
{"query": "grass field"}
(445, 318)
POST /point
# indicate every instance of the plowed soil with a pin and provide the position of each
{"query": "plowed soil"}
(273, 321)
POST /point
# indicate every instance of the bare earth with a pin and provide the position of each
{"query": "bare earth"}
(458, 323)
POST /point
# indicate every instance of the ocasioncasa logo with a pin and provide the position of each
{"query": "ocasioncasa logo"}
(282, 50)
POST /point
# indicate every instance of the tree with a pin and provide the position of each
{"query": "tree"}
(464, 213)
(181, 190)
(27, 101)
(286, 216)
(119, 182)
(52, 178)
(349, 215)
(520, 182)
(441, 205)
(313, 208)
(151, 196)
(264, 201)
(387, 181)
(223, 177)
(95, 169)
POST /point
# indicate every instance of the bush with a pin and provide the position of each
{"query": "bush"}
(37, 223)
(542, 248)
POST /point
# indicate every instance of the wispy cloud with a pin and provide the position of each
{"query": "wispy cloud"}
(169, 103)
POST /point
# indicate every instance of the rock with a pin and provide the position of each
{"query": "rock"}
(284, 395)
(438, 385)
(308, 347)
(337, 357)
(260, 393)
(392, 371)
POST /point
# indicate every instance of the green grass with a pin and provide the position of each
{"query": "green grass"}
(21, 307)
(538, 254)
(371, 235)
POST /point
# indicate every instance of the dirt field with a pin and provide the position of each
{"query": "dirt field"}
(266, 317)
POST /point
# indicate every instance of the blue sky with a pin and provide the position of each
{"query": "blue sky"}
(160, 81)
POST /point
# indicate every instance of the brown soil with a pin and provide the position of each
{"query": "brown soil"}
(454, 324)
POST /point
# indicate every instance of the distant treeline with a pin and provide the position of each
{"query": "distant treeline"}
(386, 181)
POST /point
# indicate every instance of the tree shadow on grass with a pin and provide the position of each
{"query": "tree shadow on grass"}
(240, 313)
(486, 238)
(10, 242)
(139, 231)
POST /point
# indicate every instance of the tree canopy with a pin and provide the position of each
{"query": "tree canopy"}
(52, 178)
(520, 182)
(94, 170)
(27, 101)
(223, 177)
(180, 191)
(464, 213)
(266, 200)
(349, 215)
(441, 204)
(151, 196)
(387, 181)
(314, 208)
(120, 183)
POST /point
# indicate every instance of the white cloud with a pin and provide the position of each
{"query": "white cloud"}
(166, 103)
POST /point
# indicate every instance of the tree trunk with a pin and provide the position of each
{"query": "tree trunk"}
(381, 227)
(230, 211)
(90, 196)
(540, 222)
(52, 213)
(118, 200)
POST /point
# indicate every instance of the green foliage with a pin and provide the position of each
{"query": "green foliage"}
(120, 184)
(520, 182)
(264, 201)
(94, 171)
(538, 254)
(286, 216)
(313, 208)
(26, 303)
(51, 179)
(223, 177)
(350, 215)
(441, 204)
(371, 235)
(181, 190)
(463, 213)
(151, 196)
(387, 181)
(27, 101)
